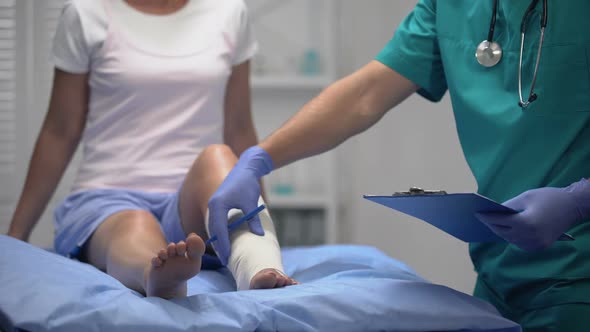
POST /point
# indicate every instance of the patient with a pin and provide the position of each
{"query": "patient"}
(158, 92)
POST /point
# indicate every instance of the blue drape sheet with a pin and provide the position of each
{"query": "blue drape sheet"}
(343, 288)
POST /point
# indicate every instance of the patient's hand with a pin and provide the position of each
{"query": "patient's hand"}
(18, 236)
(271, 278)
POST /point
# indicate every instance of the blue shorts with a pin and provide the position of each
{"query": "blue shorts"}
(80, 214)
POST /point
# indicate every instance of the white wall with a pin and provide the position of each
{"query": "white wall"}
(414, 145)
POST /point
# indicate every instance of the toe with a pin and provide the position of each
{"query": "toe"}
(156, 262)
(181, 248)
(281, 281)
(163, 254)
(195, 247)
(171, 250)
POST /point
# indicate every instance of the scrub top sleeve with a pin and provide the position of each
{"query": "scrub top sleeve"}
(414, 52)
(70, 50)
(245, 44)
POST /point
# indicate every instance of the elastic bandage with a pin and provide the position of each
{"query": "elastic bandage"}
(251, 253)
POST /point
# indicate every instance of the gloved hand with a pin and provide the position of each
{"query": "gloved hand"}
(544, 214)
(240, 190)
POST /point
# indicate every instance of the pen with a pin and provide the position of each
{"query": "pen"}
(238, 222)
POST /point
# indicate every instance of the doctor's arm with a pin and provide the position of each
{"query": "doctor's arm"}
(239, 132)
(56, 143)
(344, 109)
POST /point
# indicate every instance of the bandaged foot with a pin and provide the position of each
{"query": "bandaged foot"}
(168, 272)
(255, 261)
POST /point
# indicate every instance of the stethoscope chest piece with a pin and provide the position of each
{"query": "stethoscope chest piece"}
(488, 54)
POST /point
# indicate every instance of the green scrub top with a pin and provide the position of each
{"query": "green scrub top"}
(510, 150)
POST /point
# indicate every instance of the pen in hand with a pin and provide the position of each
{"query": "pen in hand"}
(231, 227)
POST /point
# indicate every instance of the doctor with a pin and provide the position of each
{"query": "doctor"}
(521, 100)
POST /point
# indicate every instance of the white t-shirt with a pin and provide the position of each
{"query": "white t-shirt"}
(157, 86)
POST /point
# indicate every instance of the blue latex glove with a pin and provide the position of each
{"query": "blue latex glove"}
(239, 190)
(545, 213)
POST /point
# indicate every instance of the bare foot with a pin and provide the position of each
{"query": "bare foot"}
(167, 273)
(271, 278)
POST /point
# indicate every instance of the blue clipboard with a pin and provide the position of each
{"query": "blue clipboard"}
(451, 213)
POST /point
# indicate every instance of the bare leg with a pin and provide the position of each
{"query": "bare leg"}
(206, 174)
(130, 246)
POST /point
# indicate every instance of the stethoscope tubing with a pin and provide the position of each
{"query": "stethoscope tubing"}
(490, 41)
(493, 22)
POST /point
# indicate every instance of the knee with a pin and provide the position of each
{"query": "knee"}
(135, 222)
(217, 152)
(216, 156)
(115, 233)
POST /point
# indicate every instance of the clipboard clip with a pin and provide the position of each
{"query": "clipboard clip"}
(419, 191)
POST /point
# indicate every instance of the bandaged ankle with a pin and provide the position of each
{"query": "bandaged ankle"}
(251, 253)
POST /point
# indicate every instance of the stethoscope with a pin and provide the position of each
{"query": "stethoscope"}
(489, 52)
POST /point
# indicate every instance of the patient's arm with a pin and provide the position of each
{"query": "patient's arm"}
(53, 151)
(344, 109)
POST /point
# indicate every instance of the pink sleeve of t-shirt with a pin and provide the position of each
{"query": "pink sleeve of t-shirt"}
(245, 45)
(70, 50)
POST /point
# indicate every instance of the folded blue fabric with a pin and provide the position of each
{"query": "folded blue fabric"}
(343, 288)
